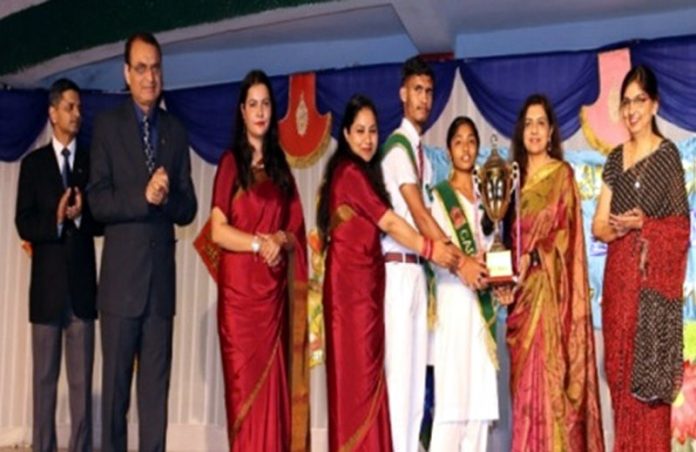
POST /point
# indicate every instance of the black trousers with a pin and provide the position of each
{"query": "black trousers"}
(144, 344)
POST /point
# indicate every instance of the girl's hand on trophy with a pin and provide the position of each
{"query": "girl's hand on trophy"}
(444, 254)
(505, 294)
(473, 272)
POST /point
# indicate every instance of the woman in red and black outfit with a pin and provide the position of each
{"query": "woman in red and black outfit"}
(643, 215)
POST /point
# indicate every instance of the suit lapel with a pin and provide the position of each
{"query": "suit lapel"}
(52, 169)
(163, 151)
(132, 142)
(80, 168)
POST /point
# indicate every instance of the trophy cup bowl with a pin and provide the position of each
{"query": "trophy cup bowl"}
(496, 181)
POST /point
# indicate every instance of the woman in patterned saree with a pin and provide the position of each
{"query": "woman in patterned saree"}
(642, 214)
(549, 328)
(353, 210)
(257, 220)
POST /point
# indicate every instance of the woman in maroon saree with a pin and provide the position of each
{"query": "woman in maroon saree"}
(642, 214)
(257, 220)
(353, 210)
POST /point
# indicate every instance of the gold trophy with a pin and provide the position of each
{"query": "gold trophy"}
(496, 181)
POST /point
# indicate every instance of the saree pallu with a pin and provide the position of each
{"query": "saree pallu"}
(354, 285)
(555, 398)
(641, 426)
(262, 320)
(642, 297)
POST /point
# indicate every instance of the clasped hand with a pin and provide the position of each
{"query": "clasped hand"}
(272, 246)
(157, 188)
(67, 210)
(623, 223)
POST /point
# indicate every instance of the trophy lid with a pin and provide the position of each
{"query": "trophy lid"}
(495, 159)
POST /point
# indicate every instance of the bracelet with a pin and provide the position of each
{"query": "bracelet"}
(255, 245)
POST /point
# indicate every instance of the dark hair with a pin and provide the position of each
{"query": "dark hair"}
(645, 78)
(459, 121)
(274, 162)
(55, 94)
(343, 153)
(145, 37)
(416, 66)
(454, 126)
(519, 152)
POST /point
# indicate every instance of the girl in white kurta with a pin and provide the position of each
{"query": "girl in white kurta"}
(466, 395)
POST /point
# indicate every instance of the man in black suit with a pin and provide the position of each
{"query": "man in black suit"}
(53, 216)
(140, 186)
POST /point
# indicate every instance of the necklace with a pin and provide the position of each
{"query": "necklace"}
(636, 183)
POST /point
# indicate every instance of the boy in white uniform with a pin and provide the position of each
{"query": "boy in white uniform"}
(404, 168)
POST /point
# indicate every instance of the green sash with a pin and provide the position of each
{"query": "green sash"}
(467, 243)
(398, 139)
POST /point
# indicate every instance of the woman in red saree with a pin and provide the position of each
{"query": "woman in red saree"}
(553, 383)
(257, 220)
(353, 210)
(642, 214)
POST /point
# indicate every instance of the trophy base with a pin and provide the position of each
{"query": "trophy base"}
(499, 265)
(502, 280)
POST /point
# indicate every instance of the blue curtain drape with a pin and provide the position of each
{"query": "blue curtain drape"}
(674, 63)
(23, 114)
(499, 86)
(209, 112)
(381, 84)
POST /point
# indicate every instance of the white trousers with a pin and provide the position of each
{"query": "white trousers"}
(468, 436)
(406, 343)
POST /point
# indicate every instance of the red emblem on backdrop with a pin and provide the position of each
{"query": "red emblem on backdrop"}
(601, 121)
(304, 133)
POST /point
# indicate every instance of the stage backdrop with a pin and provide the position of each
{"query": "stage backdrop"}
(582, 86)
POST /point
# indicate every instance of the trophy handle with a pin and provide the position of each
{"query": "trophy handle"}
(515, 176)
(517, 188)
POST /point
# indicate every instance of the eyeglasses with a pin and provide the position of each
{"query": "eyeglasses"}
(637, 101)
(141, 69)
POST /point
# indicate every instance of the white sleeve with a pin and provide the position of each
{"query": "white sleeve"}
(397, 168)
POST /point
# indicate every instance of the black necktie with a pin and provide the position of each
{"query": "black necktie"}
(147, 146)
(66, 172)
(68, 225)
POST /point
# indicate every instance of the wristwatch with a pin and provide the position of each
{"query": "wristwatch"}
(255, 245)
